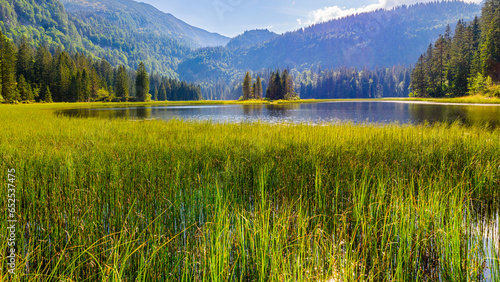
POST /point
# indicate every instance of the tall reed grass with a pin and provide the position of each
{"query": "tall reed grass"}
(115, 200)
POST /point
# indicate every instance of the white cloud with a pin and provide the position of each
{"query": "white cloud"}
(335, 12)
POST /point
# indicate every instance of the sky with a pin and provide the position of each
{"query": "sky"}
(233, 17)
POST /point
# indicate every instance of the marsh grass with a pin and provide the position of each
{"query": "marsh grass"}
(471, 99)
(115, 200)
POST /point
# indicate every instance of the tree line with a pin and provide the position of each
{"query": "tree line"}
(251, 90)
(103, 34)
(279, 87)
(318, 83)
(466, 62)
(30, 74)
(346, 82)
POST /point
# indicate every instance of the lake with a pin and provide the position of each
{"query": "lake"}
(332, 112)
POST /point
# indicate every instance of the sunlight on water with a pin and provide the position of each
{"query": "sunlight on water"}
(488, 230)
(327, 112)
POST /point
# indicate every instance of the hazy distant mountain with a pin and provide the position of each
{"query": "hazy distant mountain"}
(251, 38)
(141, 17)
(380, 38)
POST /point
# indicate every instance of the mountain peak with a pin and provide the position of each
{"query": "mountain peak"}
(146, 19)
(251, 38)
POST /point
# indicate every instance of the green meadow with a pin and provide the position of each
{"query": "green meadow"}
(120, 200)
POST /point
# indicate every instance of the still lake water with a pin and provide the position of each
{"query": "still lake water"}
(336, 112)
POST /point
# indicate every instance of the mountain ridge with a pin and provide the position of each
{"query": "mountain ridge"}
(379, 38)
(251, 38)
(147, 17)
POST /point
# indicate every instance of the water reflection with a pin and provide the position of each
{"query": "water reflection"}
(467, 115)
(144, 113)
(357, 112)
(486, 236)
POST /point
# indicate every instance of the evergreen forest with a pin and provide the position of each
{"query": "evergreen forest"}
(464, 62)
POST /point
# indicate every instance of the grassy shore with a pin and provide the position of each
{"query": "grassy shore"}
(475, 99)
(115, 200)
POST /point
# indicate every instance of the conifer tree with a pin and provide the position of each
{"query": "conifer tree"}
(278, 87)
(247, 86)
(490, 48)
(440, 55)
(162, 94)
(258, 88)
(25, 61)
(24, 89)
(47, 95)
(7, 69)
(430, 70)
(287, 85)
(459, 66)
(121, 83)
(42, 66)
(463, 62)
(142, 84)
(419, 84)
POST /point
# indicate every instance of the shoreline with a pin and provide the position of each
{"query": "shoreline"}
(466, 101)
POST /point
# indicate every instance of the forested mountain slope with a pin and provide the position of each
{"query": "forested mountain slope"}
(122, 32)
(380, 38)
(142, 18)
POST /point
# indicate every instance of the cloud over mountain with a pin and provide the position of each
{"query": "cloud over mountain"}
(336, 12)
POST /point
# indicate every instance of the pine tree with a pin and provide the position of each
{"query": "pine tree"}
(121, 83)
(86, 86)
(440, 56)
(247, 86)
(24, 89)
(278, 87)
(162, 94)
(25, 61)
(418, 83)
(274, 86)
(490, 48)
(155, 94)
(459, 66)
(288, 89)
(7, 69)
(430, 71)
(63, 70)
(142, 84)
(77, 87)
(42, 66)
(488, 14)
(475, 31)
(448, 34)
(47, 95)
(94, 84)
(258, 88)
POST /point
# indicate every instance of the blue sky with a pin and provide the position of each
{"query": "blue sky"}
(233, 17)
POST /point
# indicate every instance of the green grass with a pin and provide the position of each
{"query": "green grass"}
(115, 200)
(474, 99)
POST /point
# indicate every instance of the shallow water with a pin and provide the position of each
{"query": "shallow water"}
(336, 112)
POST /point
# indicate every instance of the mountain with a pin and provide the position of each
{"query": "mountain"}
(42, 22)
(143, 18)
(251, 38)
(379, 38)
(122, 32)
(125, 32)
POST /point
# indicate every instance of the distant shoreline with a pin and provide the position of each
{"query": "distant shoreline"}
(461, 101)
